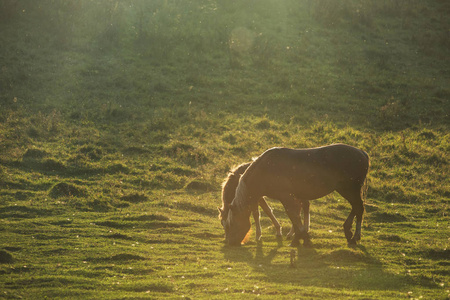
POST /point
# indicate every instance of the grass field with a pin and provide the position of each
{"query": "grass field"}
(119, 120)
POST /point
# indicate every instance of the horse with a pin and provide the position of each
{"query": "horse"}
(290, 174)
(228, 192)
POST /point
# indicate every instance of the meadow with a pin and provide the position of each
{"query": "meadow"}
(119, 121)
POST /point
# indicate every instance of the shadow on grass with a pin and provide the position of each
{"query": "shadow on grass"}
(350, 268)
(20, 211)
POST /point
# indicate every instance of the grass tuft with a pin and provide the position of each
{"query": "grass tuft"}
(119, 120)
(63, 189)
(6, 257)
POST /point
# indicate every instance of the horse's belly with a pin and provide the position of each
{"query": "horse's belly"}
(302, 188)
(312, 192)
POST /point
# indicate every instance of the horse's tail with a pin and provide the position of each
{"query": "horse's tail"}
(364, 189)
(365, 185)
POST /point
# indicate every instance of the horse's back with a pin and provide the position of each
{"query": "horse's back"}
(332, 163)
(325, 154)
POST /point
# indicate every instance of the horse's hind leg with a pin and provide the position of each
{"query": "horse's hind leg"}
(353, 195)
(269, 212)
(306, 214)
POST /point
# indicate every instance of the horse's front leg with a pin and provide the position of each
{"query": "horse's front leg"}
(269, 212)
(292, 208)
(292, 231)
(306, 217)
(257, 223)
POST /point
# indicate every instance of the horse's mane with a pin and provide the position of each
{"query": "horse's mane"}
(230, 184)
(241, 195)
(235, 172)
(233, 181)
(241, 190)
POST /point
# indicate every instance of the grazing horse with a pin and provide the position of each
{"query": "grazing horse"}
(290, 174)
(228, 192)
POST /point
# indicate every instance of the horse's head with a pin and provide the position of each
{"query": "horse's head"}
(223, 215)
(237, 225)
(235, 217)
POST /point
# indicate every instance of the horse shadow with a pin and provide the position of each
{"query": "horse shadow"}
(351, 267)
(257, 255)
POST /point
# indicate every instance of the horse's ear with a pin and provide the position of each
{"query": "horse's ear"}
(220, 210)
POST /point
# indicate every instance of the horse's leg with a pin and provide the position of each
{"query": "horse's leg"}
(269, 212)
(306, 220)
(353, 195)
(306, 215)
(359, 204)
(292, 231)
(292, 208)
(257, 223)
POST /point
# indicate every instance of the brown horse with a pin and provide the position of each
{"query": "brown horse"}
(290, 174)
(228, 192)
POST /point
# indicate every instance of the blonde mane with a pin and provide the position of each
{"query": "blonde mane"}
(230, 184)
(240, 197)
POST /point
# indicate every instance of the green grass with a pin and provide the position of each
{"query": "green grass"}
(120, 120)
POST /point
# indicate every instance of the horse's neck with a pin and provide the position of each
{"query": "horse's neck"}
(243, 198)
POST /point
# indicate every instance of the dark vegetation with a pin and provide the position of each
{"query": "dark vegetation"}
(120, 119)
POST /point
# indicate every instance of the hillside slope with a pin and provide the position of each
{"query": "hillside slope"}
(119, 121)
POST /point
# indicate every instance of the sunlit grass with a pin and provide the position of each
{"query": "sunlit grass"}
(118, 124)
